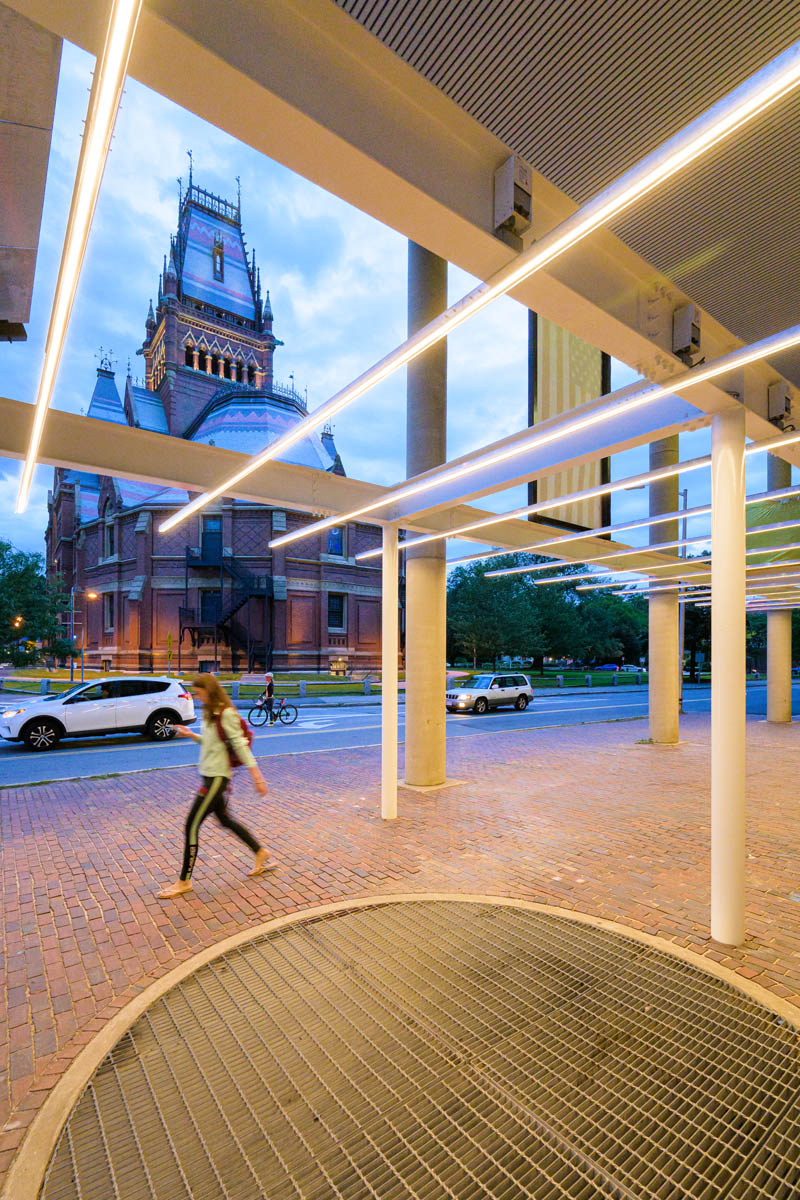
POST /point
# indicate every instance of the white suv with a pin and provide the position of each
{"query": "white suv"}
(481, 692)
(128, 704)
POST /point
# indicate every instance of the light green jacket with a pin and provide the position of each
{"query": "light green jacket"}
(214, 752)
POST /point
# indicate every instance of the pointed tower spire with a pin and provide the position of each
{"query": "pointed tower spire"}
(151, 317)
(267, 309)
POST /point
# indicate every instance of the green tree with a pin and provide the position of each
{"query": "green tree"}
(29, 606)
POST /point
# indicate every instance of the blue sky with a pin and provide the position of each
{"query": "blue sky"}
(337, 280)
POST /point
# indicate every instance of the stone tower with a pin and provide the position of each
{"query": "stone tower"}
(210, 324)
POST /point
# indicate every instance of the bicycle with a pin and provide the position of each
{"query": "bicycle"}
(284, 712)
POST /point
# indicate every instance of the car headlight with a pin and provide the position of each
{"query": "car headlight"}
(12, 712)
(464, 696)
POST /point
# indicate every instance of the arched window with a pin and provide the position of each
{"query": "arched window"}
(214, 365)
(218, 259)
(202, 359)
(251, 374)
(108, 530)
(189, 356)
(227, 368)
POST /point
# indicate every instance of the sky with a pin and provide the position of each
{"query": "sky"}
(337, 280)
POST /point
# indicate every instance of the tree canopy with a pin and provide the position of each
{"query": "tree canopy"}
(514, 615)
(29, 606)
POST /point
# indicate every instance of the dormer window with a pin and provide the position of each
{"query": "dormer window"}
(218, 259)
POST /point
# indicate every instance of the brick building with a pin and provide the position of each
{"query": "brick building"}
(212, 587)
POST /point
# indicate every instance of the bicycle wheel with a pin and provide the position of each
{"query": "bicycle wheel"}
(288, 714)
(257, 716)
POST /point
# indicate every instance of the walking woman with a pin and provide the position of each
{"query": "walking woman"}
(219, 717)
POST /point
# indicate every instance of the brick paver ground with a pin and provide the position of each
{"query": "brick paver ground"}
(580, 817)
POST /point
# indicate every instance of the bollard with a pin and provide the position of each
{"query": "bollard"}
(588, 679)
(235, 691)
(614, 679)
(367, 688)
(559, 680)
(301, 688)
(44, 686)
(638, 676)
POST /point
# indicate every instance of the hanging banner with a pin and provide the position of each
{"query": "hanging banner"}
(564, 372)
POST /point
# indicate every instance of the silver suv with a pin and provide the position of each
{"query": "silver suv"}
(478, 693)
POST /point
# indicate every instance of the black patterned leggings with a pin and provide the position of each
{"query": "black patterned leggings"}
(212, 797)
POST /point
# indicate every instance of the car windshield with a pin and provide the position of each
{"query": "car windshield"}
(71, 691)
(475, 681)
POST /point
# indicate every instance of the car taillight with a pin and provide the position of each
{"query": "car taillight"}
(184, 696)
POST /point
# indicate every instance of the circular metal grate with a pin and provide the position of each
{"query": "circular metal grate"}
(441, 1049)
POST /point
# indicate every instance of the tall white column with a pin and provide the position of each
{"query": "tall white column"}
(426, 571)
(389, 614)
(779, 666)
(664, 630)
(728, 677)
(779, 625)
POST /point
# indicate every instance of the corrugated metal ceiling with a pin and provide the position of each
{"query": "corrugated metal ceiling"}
(585, 88)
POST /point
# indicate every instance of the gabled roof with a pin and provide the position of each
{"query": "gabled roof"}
(105, 404)
(200, 229)
(146, 408)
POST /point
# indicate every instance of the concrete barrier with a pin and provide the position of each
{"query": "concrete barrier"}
(559, 680)
(588, 680)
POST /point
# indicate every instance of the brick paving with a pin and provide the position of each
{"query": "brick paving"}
(580, 817)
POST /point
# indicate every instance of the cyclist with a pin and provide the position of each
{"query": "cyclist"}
(268, 696)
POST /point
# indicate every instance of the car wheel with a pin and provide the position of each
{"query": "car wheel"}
(521, 703)
(160, 727)
(42, 735)
(481, 705)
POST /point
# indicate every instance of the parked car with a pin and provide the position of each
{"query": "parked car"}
(478, 693)
(630, 667)
(607, 667)
(151, 706)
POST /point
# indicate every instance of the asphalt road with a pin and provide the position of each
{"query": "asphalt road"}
(319, 729)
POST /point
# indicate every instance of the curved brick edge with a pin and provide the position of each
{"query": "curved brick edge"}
(26, 1173)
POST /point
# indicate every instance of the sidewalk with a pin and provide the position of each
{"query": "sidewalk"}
(583, 818)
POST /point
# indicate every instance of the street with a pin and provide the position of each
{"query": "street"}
(319, 729)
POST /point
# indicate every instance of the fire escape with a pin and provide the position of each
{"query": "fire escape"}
(219, 620)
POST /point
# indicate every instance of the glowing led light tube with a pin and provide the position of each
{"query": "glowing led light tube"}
(764, 88)
(107, 85)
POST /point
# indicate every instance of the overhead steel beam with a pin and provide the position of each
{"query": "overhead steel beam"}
(311, 88)
(29, 62)
(84, 444)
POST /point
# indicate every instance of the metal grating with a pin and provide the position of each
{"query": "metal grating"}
(441, 1049)
(583, 89)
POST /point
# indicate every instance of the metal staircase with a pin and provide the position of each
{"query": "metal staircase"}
(220, 624)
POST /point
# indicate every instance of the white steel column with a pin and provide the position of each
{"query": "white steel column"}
(779, 666)
(779, 626)
(664, 632)
(426, 569)
(389, 615)
(728, 677)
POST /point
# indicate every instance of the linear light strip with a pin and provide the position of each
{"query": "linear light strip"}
(651, 548)
(689, 577)
(764, 88)
(596, 558)
(679, 383)
(104, 99)
(644, 522)
(602, 489)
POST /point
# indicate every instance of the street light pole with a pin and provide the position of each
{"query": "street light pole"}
(71, 633)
